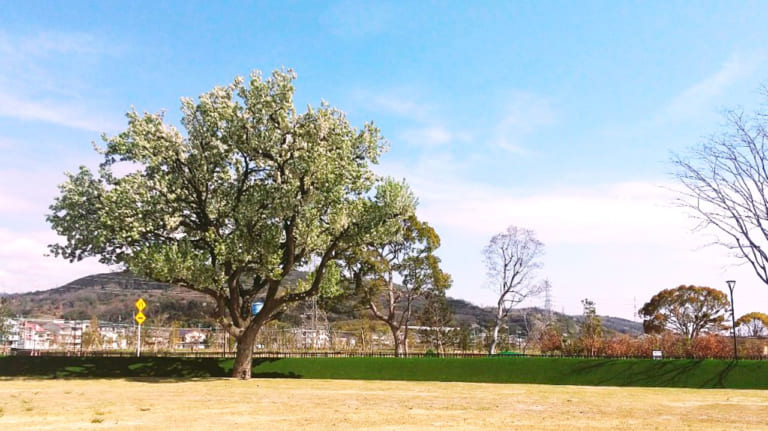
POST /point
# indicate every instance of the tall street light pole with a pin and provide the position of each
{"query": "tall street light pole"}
(731, 285)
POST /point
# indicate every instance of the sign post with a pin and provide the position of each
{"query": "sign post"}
(140, 318)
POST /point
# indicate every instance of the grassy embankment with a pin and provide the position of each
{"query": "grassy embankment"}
(555, 371)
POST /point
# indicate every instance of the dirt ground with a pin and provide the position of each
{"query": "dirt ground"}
(281, 404)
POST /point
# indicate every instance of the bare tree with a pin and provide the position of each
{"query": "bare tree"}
(512, 259)
(725, 181)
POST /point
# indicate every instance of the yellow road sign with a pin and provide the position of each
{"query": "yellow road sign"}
(140, 317)
(141, 305)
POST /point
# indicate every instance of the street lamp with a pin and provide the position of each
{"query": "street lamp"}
(731, 285)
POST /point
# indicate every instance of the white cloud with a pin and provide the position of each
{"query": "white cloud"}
(627, 212)
(24, 265)
(617, 244)
(7, 143)
(13, 203)
(624, 213)
(524, 114)
(27, 193)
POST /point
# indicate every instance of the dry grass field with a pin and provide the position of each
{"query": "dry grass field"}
(286, 404)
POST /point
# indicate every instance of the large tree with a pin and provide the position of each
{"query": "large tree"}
(251, 191)
(512, 258)
(389, 276)
(725, 187)
(688, 310)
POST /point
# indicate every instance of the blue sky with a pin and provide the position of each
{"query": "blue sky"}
(554, 116)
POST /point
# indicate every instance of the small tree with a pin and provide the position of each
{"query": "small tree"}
(463, 339)
(91, 337)
(591, 336)
(174, 336)
(550, 339)
(5, 316)
(511, 258)
(408, 255)
(754, 324)
(688, 310)
(436, 316)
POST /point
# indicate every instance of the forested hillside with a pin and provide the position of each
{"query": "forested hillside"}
(111, 297)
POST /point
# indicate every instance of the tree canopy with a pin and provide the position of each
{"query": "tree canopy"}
(688, 310)
(251, 191)
(755, 324)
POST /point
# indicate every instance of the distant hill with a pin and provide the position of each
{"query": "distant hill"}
(469, 314)
(111, 297)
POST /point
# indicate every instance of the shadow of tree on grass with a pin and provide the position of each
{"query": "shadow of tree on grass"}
(154, 369)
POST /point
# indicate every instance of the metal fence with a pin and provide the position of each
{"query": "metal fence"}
(332, 354)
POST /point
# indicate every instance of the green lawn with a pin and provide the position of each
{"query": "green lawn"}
(555, 371)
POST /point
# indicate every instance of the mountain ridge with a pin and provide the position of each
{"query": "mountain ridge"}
(111, 297)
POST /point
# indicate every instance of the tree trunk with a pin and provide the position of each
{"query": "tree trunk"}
(398, 340)
(495, 339)
(244, 357)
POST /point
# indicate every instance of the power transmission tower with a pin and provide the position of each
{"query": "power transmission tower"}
(634, 305)
(548, 300)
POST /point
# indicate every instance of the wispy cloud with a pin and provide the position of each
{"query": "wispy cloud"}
(46, 43)
(72, 114)
(421, 124)
(354, 19)
(404, 103)
(703, 96)
(430, 136)
(524, 114)
(40, 80)
(699, 104)
(433, 136)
